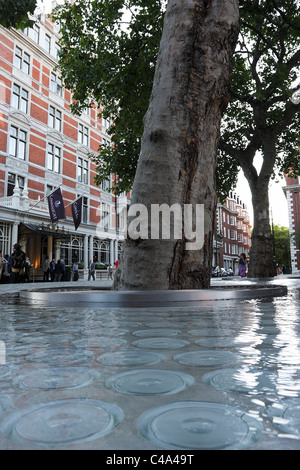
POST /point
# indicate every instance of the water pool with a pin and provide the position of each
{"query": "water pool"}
(221, 375)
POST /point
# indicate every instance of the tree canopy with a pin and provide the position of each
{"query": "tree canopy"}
(14, 13)
(264, 111)
(108, 58)
(265, 87)
(282, 245)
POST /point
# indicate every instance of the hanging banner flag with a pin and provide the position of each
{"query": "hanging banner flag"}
(76, 212)
(56, 206)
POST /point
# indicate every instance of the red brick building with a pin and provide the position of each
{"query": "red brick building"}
(233, 233)
(43, 146)
(291, 191)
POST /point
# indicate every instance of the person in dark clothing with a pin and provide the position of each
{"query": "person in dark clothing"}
(63, 267)
(58, 271)
(46, 268)
(52, 270)
(17, 262)
(26, 275)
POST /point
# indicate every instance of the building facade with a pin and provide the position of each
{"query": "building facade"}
(291, 191)
(44, 146)
(233, 233)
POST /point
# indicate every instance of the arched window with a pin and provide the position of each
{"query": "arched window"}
(76, 250)
(101, 251)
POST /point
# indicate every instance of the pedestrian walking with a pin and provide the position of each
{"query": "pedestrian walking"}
(75, 271)
(91, 270)
(58, 272)
(242, 265)
(109, 272)
(17, 261)
(26, 275)
(46, 268)
(63, 266)
(52, 270)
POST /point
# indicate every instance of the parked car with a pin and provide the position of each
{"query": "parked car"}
(224, 272)
(216, 272)
(229, 272)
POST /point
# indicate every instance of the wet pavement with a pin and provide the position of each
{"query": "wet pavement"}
(223, 374)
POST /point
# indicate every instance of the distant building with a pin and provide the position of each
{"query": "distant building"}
(44, 146)
(233, 233)
(291, 191)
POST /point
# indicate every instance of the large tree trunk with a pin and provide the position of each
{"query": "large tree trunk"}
(179, 146)
(261, 262)
(261, 256)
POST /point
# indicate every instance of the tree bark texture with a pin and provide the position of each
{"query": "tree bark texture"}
(179, 146)
(261, 262)
(261, 256)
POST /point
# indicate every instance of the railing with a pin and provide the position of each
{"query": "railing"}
(6, 201)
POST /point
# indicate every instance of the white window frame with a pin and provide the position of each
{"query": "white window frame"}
(55, 118)
(54, 158)
(10, 184)
(22, 60)
(105, 221)
(83, 134)
(55, 84)
(57, 51)
(20, 98)
(36, 33)
(83, 170)
(17, 143)
(47, 43)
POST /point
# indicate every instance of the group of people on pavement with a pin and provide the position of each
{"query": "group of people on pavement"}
(54, 271)
(15, 268)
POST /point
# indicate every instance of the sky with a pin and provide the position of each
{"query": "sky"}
(278, 203)
(277, 199)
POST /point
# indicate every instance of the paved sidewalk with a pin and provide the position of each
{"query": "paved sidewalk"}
(54, 285)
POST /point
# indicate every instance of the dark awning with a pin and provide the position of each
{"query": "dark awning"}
(41, 230)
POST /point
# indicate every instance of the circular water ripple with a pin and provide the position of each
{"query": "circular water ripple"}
(208, 358)
(104, 332)
(45, 339)
(60, 356)
(160, 343)
(286, 415)
(130, 358)
(199, 425)
(245, 381)
(227, 342)
(156, 332)
(62, 422)
(149, 382)
(165, 324)
(56, 378)
(102, 342)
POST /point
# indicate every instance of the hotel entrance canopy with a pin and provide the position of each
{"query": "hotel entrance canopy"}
(29, 231)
